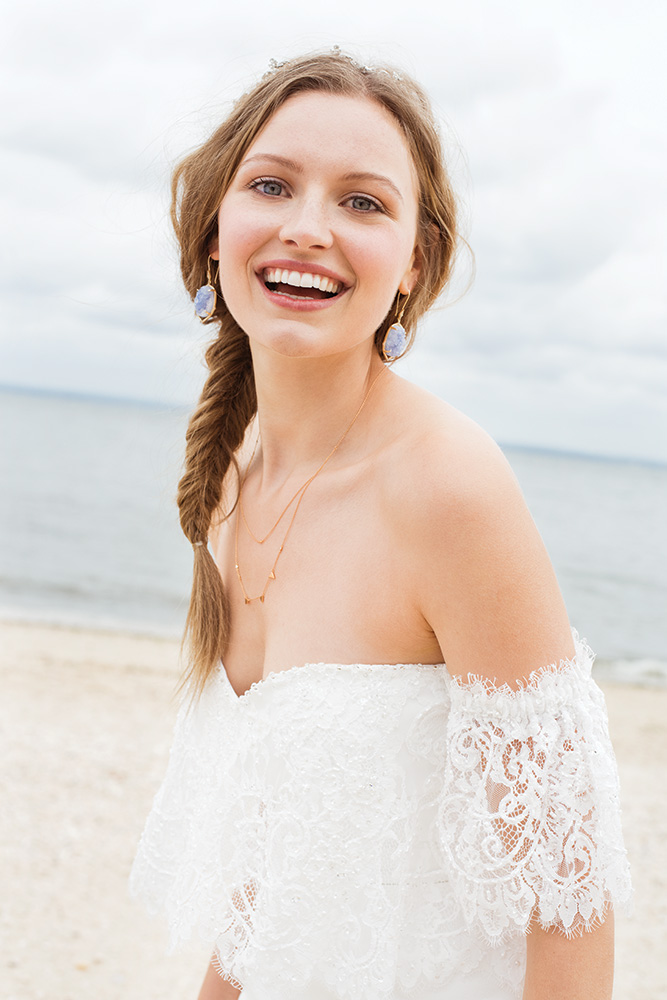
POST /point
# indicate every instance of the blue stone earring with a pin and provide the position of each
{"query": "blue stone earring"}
(206, 297)
(396, 338)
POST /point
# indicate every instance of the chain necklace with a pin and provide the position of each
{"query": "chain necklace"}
(300, 493)
(260, 541)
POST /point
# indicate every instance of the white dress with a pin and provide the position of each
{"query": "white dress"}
(385, 832)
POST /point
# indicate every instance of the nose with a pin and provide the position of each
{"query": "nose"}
(308, 225)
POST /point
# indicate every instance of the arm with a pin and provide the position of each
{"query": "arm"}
(561, 968)
(490, 593)
(216, 988)
(491, 598)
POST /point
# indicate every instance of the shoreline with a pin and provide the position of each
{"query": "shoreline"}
(87, 717)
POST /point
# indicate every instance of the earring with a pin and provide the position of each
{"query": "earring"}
(396, 338)
(206, 297)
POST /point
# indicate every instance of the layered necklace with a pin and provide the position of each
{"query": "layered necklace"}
(296, 500)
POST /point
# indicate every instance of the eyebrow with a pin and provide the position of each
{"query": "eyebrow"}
(366, 176)
(282, 160)
(355, 175)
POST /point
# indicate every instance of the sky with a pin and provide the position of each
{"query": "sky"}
(553, 116)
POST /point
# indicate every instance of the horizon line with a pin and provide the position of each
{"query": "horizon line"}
(157, 404)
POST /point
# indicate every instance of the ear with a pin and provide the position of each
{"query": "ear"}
(214, 248)
(409, 279)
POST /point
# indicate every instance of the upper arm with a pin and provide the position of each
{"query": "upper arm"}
(486, 585)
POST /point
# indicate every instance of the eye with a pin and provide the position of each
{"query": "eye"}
(268, 185)
(362, 203)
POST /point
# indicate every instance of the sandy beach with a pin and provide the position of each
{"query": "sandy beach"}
(85, 722)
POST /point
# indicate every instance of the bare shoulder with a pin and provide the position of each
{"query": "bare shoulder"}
(443, 463)
(479, 570)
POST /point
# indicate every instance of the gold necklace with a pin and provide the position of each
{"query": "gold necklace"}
(260, 541)
(300, 493)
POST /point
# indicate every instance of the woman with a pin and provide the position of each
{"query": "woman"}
(344, 816)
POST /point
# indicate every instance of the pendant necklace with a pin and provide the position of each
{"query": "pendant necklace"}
(298, 496)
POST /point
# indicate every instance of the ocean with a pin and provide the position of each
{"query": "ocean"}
(89, 532)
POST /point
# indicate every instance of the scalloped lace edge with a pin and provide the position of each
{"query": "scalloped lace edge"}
(578, 665)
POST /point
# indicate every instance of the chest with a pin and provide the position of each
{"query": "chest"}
(338, 586)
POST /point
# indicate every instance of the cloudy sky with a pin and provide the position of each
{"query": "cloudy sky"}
(553, 114)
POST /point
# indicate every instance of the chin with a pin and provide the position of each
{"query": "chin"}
(291, 344)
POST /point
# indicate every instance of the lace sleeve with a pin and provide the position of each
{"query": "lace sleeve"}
(529, 816)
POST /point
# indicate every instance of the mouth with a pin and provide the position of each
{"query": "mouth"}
(300, 284)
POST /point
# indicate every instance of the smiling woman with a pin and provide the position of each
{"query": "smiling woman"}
(400, 784)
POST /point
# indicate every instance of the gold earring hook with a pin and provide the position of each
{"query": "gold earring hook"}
(399, 318)
(209, 278)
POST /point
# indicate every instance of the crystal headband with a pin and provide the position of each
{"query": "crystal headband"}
(274, 65)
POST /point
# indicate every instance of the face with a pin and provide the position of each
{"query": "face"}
(317, 230)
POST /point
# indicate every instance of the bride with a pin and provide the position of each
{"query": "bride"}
(344, 815)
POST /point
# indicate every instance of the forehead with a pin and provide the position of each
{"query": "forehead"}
(338, 131)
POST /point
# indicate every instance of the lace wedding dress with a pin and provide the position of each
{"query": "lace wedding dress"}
(385, 832)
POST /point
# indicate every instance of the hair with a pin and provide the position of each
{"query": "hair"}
(228, 401)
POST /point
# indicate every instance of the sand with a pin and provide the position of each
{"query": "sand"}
(85, 725)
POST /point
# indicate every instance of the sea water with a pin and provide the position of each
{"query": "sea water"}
(89, 530)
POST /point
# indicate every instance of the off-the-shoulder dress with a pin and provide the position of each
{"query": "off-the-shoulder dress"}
(385, 831)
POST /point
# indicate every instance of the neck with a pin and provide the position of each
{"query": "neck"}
(303, 407)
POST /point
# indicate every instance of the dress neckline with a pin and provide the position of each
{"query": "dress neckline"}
(483, 687)
(280, 676)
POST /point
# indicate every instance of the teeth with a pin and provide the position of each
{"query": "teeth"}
(279, 276)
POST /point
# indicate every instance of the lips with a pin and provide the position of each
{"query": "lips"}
(300, 284)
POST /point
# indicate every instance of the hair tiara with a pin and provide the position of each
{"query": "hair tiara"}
(275, 65)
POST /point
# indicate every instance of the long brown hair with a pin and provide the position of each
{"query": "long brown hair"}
(228, 400)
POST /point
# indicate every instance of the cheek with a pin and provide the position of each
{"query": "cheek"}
(239, 236)
(235, 247)
(380, 259)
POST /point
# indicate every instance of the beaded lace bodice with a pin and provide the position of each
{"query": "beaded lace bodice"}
(381, 829)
